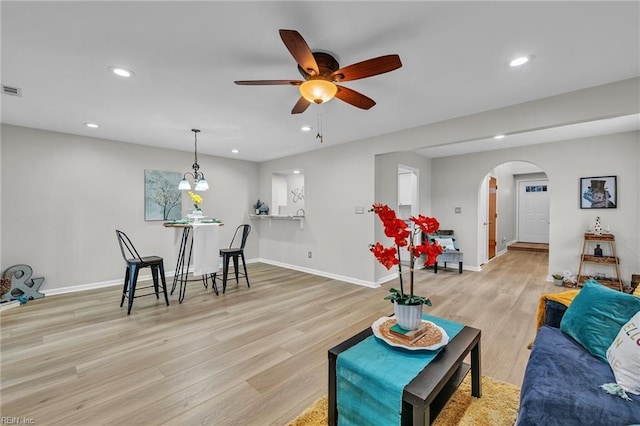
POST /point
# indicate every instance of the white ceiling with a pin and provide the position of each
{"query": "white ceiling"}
(186, 55)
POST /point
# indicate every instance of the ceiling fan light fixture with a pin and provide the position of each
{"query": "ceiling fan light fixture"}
(318, 91)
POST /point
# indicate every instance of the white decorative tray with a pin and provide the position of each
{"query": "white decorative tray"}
(381, 327)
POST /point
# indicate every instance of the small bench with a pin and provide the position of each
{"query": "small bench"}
(447, 239)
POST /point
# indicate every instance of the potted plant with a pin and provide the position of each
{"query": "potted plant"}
(407, 306)
(197, 201)
(558, 279)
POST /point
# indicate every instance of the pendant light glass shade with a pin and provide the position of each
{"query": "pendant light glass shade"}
(202, 185)
(184, 185)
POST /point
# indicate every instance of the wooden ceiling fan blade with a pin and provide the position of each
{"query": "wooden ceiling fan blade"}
(354, 98)
(268, 82)
(300, 51)
(368, 68)
(300, 106)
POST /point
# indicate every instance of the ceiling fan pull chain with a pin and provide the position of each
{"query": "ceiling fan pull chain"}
(319, 135)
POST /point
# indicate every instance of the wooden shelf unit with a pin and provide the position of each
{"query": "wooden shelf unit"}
(612, 261)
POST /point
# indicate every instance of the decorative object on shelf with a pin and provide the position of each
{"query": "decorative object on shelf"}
(597, 228)
(197, 202)
(198, 177)
(404, 236)
(261, 208)
(598, 192)
(570, 280)
(597, 252)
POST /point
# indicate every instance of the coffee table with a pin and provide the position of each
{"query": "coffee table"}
(429, 391)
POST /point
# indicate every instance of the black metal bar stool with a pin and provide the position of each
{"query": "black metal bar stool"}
(235, 254)
(135, 262)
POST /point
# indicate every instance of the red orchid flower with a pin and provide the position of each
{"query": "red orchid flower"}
(428, 225)
(386, 256)
(431, 251)
(403, 236)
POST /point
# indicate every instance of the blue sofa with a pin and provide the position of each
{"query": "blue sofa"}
(562, 382)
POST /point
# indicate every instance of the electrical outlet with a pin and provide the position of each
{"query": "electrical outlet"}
(359, 210)
(309, 254)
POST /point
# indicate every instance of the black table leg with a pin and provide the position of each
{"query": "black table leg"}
(333, 401)
(476, 384)
(181, 255)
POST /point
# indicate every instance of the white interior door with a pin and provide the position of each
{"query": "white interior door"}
(533, 211)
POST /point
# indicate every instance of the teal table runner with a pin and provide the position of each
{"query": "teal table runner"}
(372, 375)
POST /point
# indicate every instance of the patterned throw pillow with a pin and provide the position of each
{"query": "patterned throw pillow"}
(624, 356)
(447, 243)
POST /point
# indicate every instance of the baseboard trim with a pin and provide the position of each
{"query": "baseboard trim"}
(344, 278)
(169, 276)
(90, 286)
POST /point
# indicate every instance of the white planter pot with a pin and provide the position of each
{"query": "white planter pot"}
(408, 317)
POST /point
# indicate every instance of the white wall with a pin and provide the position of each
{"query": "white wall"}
(564, 163)
(341, 177)
(64, 195)
(336, 180)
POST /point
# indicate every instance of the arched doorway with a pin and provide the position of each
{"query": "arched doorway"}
(513, 206)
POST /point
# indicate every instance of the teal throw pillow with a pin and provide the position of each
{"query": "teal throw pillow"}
(596, 315)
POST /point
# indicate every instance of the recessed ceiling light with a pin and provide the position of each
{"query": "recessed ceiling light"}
(235, 151)
(92, 125)
(498, 137)
(296, 172)
(122, 72)
(519, 61)
(305, 128)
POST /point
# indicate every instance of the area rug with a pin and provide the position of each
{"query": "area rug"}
(497, 407)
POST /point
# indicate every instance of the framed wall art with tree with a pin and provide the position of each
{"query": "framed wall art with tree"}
(162, 198)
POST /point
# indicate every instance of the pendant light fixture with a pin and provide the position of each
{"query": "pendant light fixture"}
(198, 178)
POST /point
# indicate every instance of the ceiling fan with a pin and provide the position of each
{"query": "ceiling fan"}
(321, 72)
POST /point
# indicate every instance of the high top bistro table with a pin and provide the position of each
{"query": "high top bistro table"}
(185, 254)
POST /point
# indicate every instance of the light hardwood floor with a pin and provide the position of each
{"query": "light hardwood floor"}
(254, 356)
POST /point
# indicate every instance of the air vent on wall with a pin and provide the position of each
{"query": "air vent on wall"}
(13, 91)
